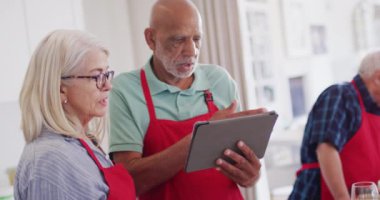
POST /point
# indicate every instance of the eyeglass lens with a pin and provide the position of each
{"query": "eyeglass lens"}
(103, 77)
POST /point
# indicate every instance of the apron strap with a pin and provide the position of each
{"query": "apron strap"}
(149, 101)
(91, 153)
(209, 101)
(307, 166)
(359, 95)
(148, 97)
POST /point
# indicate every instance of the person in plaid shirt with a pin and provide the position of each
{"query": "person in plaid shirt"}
(341, 143)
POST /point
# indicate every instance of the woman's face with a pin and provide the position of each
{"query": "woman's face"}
(84, 99)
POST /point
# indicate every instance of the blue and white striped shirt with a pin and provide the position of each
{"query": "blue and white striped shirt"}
(334, 118)
(58, 167)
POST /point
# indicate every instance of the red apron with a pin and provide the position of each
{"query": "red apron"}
(120, 183)
(360, 156)
(161, 134)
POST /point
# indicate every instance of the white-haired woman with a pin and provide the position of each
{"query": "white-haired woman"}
(341, 143)
(64, 102)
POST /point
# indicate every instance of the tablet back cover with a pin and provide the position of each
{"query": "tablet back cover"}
(210, 139)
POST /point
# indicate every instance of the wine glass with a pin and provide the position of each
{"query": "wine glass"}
(364, 191)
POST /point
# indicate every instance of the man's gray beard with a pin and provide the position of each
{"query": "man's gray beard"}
(180, 75)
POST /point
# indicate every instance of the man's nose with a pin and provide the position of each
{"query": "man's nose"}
(190, 48)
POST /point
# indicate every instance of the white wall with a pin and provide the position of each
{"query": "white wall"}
(14, 48)
(344, 57)
(139, 15)
(121, 24)
(24, 23)
(110, 22)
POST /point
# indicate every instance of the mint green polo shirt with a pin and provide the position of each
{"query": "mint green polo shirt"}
(129, 113)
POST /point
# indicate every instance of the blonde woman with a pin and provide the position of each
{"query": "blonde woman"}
(64, 102)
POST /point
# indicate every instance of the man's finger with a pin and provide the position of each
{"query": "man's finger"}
(248, 112)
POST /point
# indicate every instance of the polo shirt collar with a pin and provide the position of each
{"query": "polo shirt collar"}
(156, 86)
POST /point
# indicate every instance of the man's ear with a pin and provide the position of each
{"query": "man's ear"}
(150, 38)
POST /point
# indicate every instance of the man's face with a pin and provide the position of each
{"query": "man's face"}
(178, 45)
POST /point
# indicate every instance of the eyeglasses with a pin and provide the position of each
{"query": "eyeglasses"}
(100, 78)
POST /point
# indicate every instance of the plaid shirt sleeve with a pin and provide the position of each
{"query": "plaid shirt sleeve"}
(334, 119)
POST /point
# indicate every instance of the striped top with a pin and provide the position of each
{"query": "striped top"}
(58, 167)
(334, 118)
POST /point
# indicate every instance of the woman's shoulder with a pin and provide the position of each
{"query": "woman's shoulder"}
(57, 160)
(47, 154)
(55, 155)
(48, 149)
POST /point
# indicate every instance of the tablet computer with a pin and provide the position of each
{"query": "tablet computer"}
(211, 138)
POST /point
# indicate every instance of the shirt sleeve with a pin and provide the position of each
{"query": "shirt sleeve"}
(335, 117)
(41, 189)
(125, 133)
(37, 191)
(225, 88)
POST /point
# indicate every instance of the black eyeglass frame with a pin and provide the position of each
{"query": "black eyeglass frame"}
(100, 78)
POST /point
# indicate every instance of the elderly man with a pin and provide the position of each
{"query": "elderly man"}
(341, 144)
(153, 111)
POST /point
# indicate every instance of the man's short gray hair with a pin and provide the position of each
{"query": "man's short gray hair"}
(370, 63)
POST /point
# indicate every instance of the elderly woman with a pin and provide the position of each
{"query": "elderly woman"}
(64, 102)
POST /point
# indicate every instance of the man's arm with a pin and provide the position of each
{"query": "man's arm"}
(153, 170)
(149, 172)
(331, 169)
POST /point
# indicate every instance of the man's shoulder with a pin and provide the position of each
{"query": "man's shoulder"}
(213, 71)
(126, 79)
(344, 91)
(343, 88)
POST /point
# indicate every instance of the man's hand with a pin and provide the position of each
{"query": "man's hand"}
(230, 112)
(246, 170)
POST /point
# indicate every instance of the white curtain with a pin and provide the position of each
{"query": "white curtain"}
(222, 41)
(222, 45)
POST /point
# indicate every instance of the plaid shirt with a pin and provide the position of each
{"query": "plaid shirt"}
(334, 118)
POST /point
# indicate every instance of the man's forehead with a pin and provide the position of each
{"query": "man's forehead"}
(174, 12)
(182, 31)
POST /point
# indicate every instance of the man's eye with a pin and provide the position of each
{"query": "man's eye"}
(179, 40)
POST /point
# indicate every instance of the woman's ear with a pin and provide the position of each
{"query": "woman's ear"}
(63, 93)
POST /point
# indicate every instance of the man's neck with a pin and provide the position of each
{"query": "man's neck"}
(162, 75)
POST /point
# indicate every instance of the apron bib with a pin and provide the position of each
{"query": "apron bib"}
(120, 183)
(200, 185)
